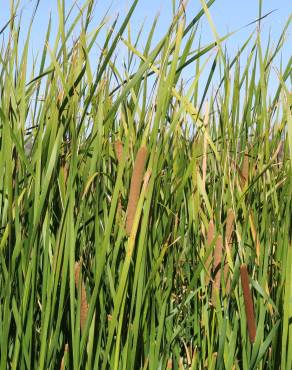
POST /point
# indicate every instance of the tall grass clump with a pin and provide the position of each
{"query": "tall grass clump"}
(114, 256)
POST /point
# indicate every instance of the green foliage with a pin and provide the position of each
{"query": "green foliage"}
(64, 195)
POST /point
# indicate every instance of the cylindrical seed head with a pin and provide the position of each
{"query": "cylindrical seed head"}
(136, 181)
(210, 238)
(250, 317)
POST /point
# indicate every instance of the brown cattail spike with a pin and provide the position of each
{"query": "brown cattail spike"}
(83, 303)
(135, 187)
(229, 226)
(228, 244)
(250, 317)
(119, 149)
(217, 268)
(210, 238)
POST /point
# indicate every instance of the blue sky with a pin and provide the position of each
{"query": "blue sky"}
(227, 15)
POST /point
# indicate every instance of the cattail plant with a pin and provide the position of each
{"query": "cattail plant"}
(136, 181)
(248, 303)
(228, 243)
(217, 263)
(210, 238)
(83, 303)
(85, 95)
(119, 149)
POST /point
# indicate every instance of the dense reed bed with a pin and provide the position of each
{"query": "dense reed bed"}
(145, 221)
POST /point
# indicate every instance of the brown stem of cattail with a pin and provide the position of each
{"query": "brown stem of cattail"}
(83, 303)
(66, 350)
(245, 169)
(169, 364)
(217, 268)
(136, 181)
(251, 323)
(228, 244)
(210, 238)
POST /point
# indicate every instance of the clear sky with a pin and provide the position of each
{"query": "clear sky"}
(227, 15)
